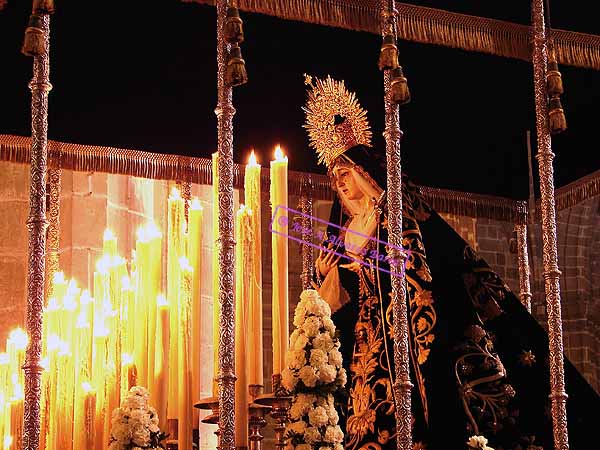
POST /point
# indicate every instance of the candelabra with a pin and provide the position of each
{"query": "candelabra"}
(280, 405)
(211, 404)
(256, 415)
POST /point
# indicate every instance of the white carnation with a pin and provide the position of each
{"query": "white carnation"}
(334, 434)
(335, 357)
(323, 342)
(327, 373)
(342, 378)
(318, 417)
(299, 314)
(334, 417)
(338, 446)
(329, 325)
(312, 435)
(301, 342)
(311, 326)
(298, 427)
(288, 379)
(295, 359)
(318, 357)
(303, 447)
(308, 376)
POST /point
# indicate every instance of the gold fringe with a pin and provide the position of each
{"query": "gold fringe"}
(156, 166)
(475, 205)
(432, 26)
(159, 166)
(579, 191)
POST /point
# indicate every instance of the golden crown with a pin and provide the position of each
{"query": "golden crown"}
(334, 119)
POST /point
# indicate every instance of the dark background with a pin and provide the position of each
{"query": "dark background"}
(142, 75)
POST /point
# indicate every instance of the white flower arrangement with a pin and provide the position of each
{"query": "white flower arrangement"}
(478, 442)
(312, 375)
(134, 425)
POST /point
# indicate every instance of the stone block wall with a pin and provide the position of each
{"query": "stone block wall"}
(91, 202)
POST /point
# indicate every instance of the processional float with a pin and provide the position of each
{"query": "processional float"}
(393, 21)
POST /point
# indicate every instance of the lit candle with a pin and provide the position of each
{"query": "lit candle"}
(109, 243)
(215, 270)
(161, 370)
(175, 225)
(99, 383)
(194, 255)
(152, 278)
(279, 202)
(128, 374)
(243, 261)
(254, 331)
(184, 369)
(16, 421)
(140, 326)
(85, 412)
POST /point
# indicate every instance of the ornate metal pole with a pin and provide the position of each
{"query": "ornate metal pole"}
(36, 224)
(393, 134)
(307, 250)
(548, 212)
(226, 244)
(523, 256)
(53, 236)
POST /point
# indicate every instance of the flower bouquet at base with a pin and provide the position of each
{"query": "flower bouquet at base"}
(134, 425)
(312, 375)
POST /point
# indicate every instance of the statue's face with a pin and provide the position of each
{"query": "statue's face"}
(345, 183)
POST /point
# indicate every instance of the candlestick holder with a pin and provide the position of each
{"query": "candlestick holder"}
(212, 404)
(280, 404)
(256, 414)
(172, 442)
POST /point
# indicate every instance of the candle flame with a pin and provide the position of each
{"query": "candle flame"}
(175, 195)
(69, 303)
(109, 235)
(126, 359)
(59, 278)
(72, 289)
(100, 329)
(19, 338)
(161, 300)
(64, 348)
(52, 304)
(148, 232)
(85, 297)
(87, 387)
(82, 321)
(279, 154)
(252, 159)
(45, 363)
(184, 264)
(196, 206)
(103, 264)
(4, 358)
(53, 342)
(18, 393)
(8, 441)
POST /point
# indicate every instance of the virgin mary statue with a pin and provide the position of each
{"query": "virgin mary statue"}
(479, 360)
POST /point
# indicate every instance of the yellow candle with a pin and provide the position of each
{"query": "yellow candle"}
(152, 270)
(99, 383)
(254, 331)
(16, 423)
(279, 202)
(215, 270)
(243, 261)
(194, 252)
(175, 224)
(4, 395)
(161, 371)
(142, 255)
(84, 417)
(109, 243)
(184, 369)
